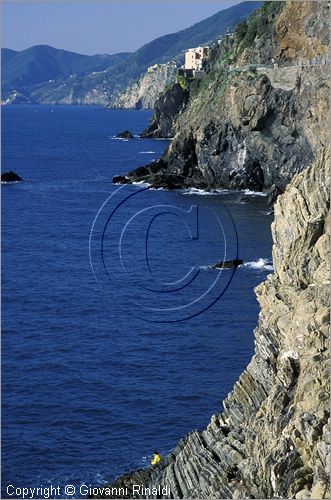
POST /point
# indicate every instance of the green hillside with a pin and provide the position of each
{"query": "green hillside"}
(45, 74)
(42, 63)
(169, 46)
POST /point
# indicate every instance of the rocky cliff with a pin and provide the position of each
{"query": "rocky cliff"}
(272, 439)
(143, 93)
(261, 127)
(167, 108)
(248, 124)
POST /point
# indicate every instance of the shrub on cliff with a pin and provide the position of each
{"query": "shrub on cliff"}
(256, 24)
(181, 80)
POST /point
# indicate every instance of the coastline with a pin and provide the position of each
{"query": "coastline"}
(248, 132)
(245, 125)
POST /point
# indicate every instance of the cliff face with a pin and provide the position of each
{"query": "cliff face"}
(143, 93)
(272, 438)
(167, 107)
(302, 31)
(253, 135)
(258, 128)
(247, 126)
(95, 89)
(298, 31)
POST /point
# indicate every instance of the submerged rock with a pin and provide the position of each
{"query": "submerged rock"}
(10, 177)
(244, 199)
(126, 134)
(228, 264)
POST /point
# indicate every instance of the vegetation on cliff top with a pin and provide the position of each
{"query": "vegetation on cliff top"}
(256, 24)
(238, 128)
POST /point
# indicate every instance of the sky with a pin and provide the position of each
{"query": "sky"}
(99, 27)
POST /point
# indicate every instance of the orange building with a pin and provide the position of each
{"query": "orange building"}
(195, 57)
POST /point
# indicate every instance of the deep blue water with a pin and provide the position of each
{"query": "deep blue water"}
(88, 388)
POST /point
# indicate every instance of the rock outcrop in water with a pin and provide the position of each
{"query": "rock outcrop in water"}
(126, 134)
(248, 124)
(228, 264)
(272, 439)
(10, 177)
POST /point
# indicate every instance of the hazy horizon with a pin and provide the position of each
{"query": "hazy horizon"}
(99, 27)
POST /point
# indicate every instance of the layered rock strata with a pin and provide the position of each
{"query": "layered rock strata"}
(265, 128)
(272, 439)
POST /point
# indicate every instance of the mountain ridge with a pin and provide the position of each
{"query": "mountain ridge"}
(40, 63)
(100, 89)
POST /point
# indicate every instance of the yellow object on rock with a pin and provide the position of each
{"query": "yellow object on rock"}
(156, 458)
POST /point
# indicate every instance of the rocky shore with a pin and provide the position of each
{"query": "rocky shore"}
(247, 123)
(272, 440)
(168, 105)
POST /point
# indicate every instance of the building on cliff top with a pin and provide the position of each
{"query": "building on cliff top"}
(195, 57)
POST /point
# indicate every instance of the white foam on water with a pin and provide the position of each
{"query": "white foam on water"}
(203, 192)
(253, 193)
(212, 192)
(267, 212)
(147, 152)
(114, 138)
(10, 182)
(263, 264)
(148, 184)
(140, 183)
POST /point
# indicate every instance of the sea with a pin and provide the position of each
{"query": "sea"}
(118, 335)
